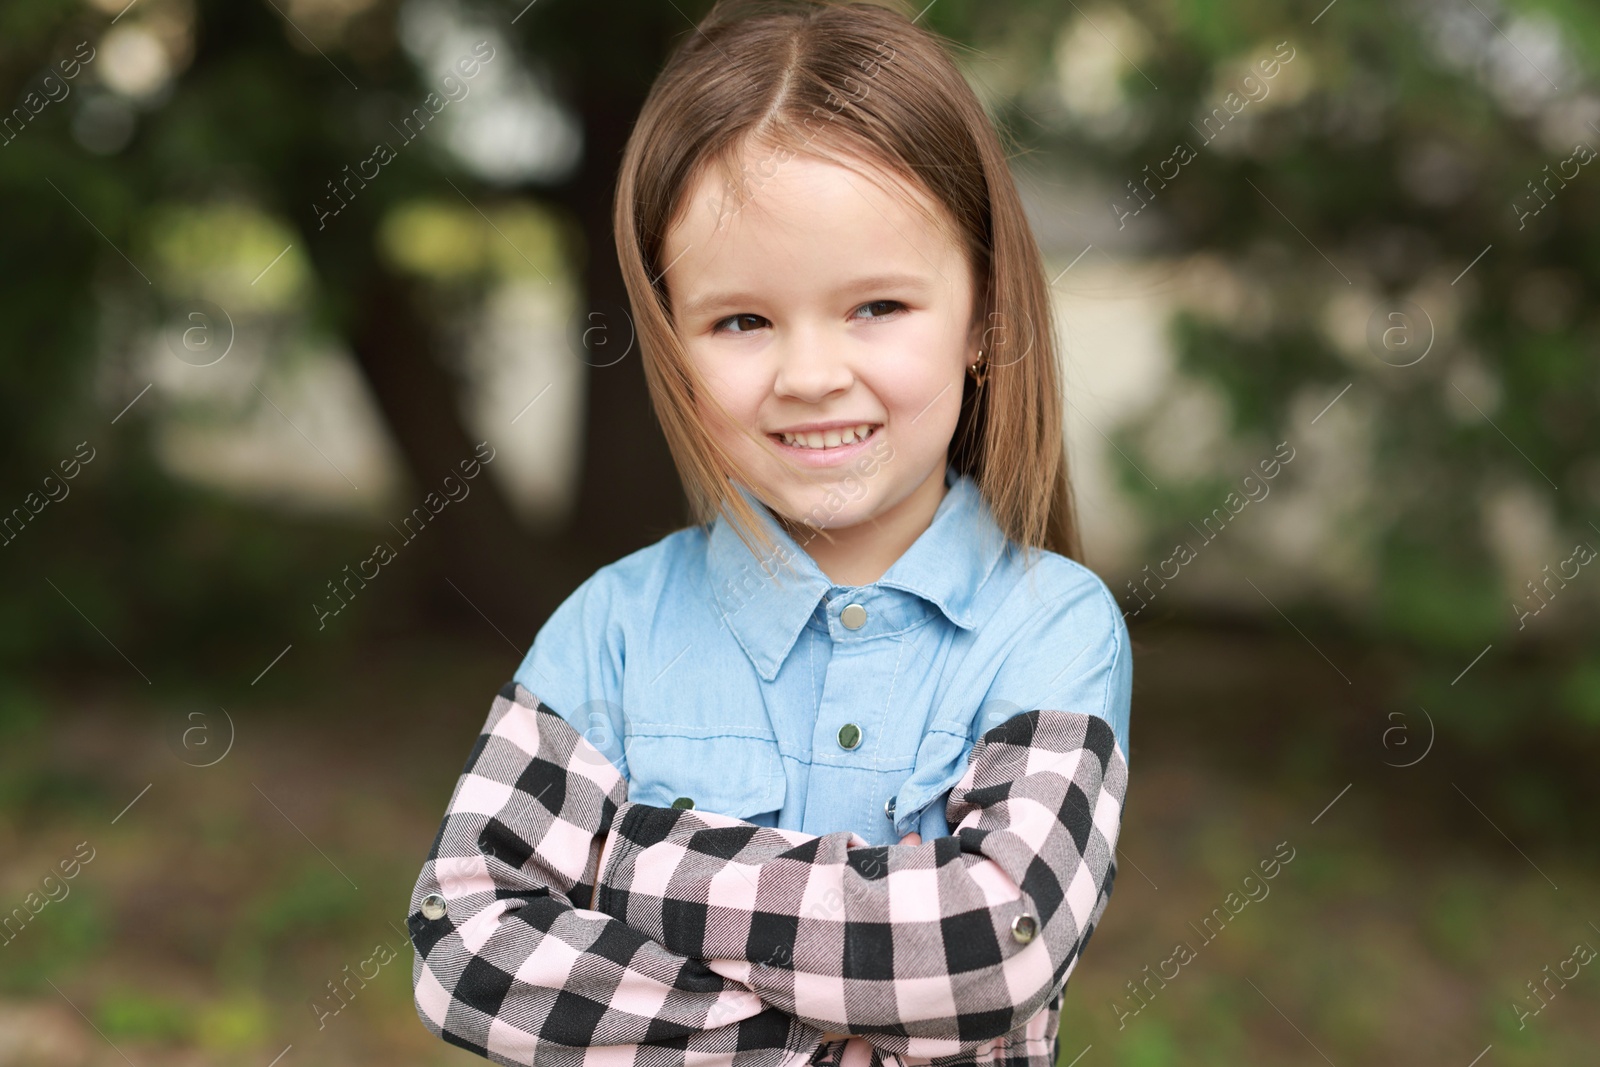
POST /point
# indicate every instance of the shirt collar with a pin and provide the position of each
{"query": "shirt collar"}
(765, 605)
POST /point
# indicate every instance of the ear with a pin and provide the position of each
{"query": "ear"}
(980, 318)
(981, 336)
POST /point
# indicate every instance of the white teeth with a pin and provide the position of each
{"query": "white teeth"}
(829, 438)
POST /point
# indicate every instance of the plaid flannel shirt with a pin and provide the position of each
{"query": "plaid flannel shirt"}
(557, 924)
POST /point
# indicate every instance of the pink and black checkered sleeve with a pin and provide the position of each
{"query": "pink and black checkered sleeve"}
(930, 950)
(509, 967)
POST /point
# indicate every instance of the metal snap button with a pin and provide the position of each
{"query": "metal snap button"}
(849, 735)
(888, 808)
(433, 906)
(1023, 927)
(683, 803)
(854, 616)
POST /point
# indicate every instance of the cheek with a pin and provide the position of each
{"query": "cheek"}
(739, 389)
(926, 368)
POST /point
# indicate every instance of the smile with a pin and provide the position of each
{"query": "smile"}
(826, 448)
(828, 439)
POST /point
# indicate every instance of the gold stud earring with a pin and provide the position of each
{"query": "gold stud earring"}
(979, 369)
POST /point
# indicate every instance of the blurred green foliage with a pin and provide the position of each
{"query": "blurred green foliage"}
(65, 935)
(1388, 154)
(1394, 148)
(136, 1013)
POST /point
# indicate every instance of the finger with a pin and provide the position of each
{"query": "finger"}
(913, 838)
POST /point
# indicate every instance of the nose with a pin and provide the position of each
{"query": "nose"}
(811, 368)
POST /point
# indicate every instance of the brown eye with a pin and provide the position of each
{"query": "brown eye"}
(742, 319)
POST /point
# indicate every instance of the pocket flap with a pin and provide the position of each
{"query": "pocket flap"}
(737, 776)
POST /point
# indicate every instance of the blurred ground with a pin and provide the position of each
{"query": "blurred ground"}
(217, 908)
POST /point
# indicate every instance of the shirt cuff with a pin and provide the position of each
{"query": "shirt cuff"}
(616, 846)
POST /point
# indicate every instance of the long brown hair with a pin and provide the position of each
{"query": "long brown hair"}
(854, 84)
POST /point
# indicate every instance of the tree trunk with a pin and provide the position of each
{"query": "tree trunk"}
(474, 557)
(630, 494)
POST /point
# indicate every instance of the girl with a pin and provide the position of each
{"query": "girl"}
(710, 819)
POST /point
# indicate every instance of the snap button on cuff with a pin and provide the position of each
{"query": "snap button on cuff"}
(683, 803)
(433, 906)
(1023, 927)
(854, 616)
(888, 809)
(849, 735)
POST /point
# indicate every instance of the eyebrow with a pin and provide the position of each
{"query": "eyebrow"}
(906, 282)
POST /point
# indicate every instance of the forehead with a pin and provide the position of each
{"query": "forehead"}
(795, 222)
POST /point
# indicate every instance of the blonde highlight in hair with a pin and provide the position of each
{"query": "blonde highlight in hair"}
(862, 86)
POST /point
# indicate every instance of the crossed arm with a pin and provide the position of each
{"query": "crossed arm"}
(713, 938)
(508, 967)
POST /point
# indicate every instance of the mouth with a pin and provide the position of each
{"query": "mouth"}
(839, 439)
(825, 448)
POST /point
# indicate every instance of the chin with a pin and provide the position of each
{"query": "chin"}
(826, 509)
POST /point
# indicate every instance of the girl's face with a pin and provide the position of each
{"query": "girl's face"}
(820, 309)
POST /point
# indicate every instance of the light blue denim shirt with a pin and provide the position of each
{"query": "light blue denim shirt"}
(712, 679)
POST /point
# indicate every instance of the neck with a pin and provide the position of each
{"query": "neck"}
(861, 554)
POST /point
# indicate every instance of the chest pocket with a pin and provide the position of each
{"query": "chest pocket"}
(737, 776)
